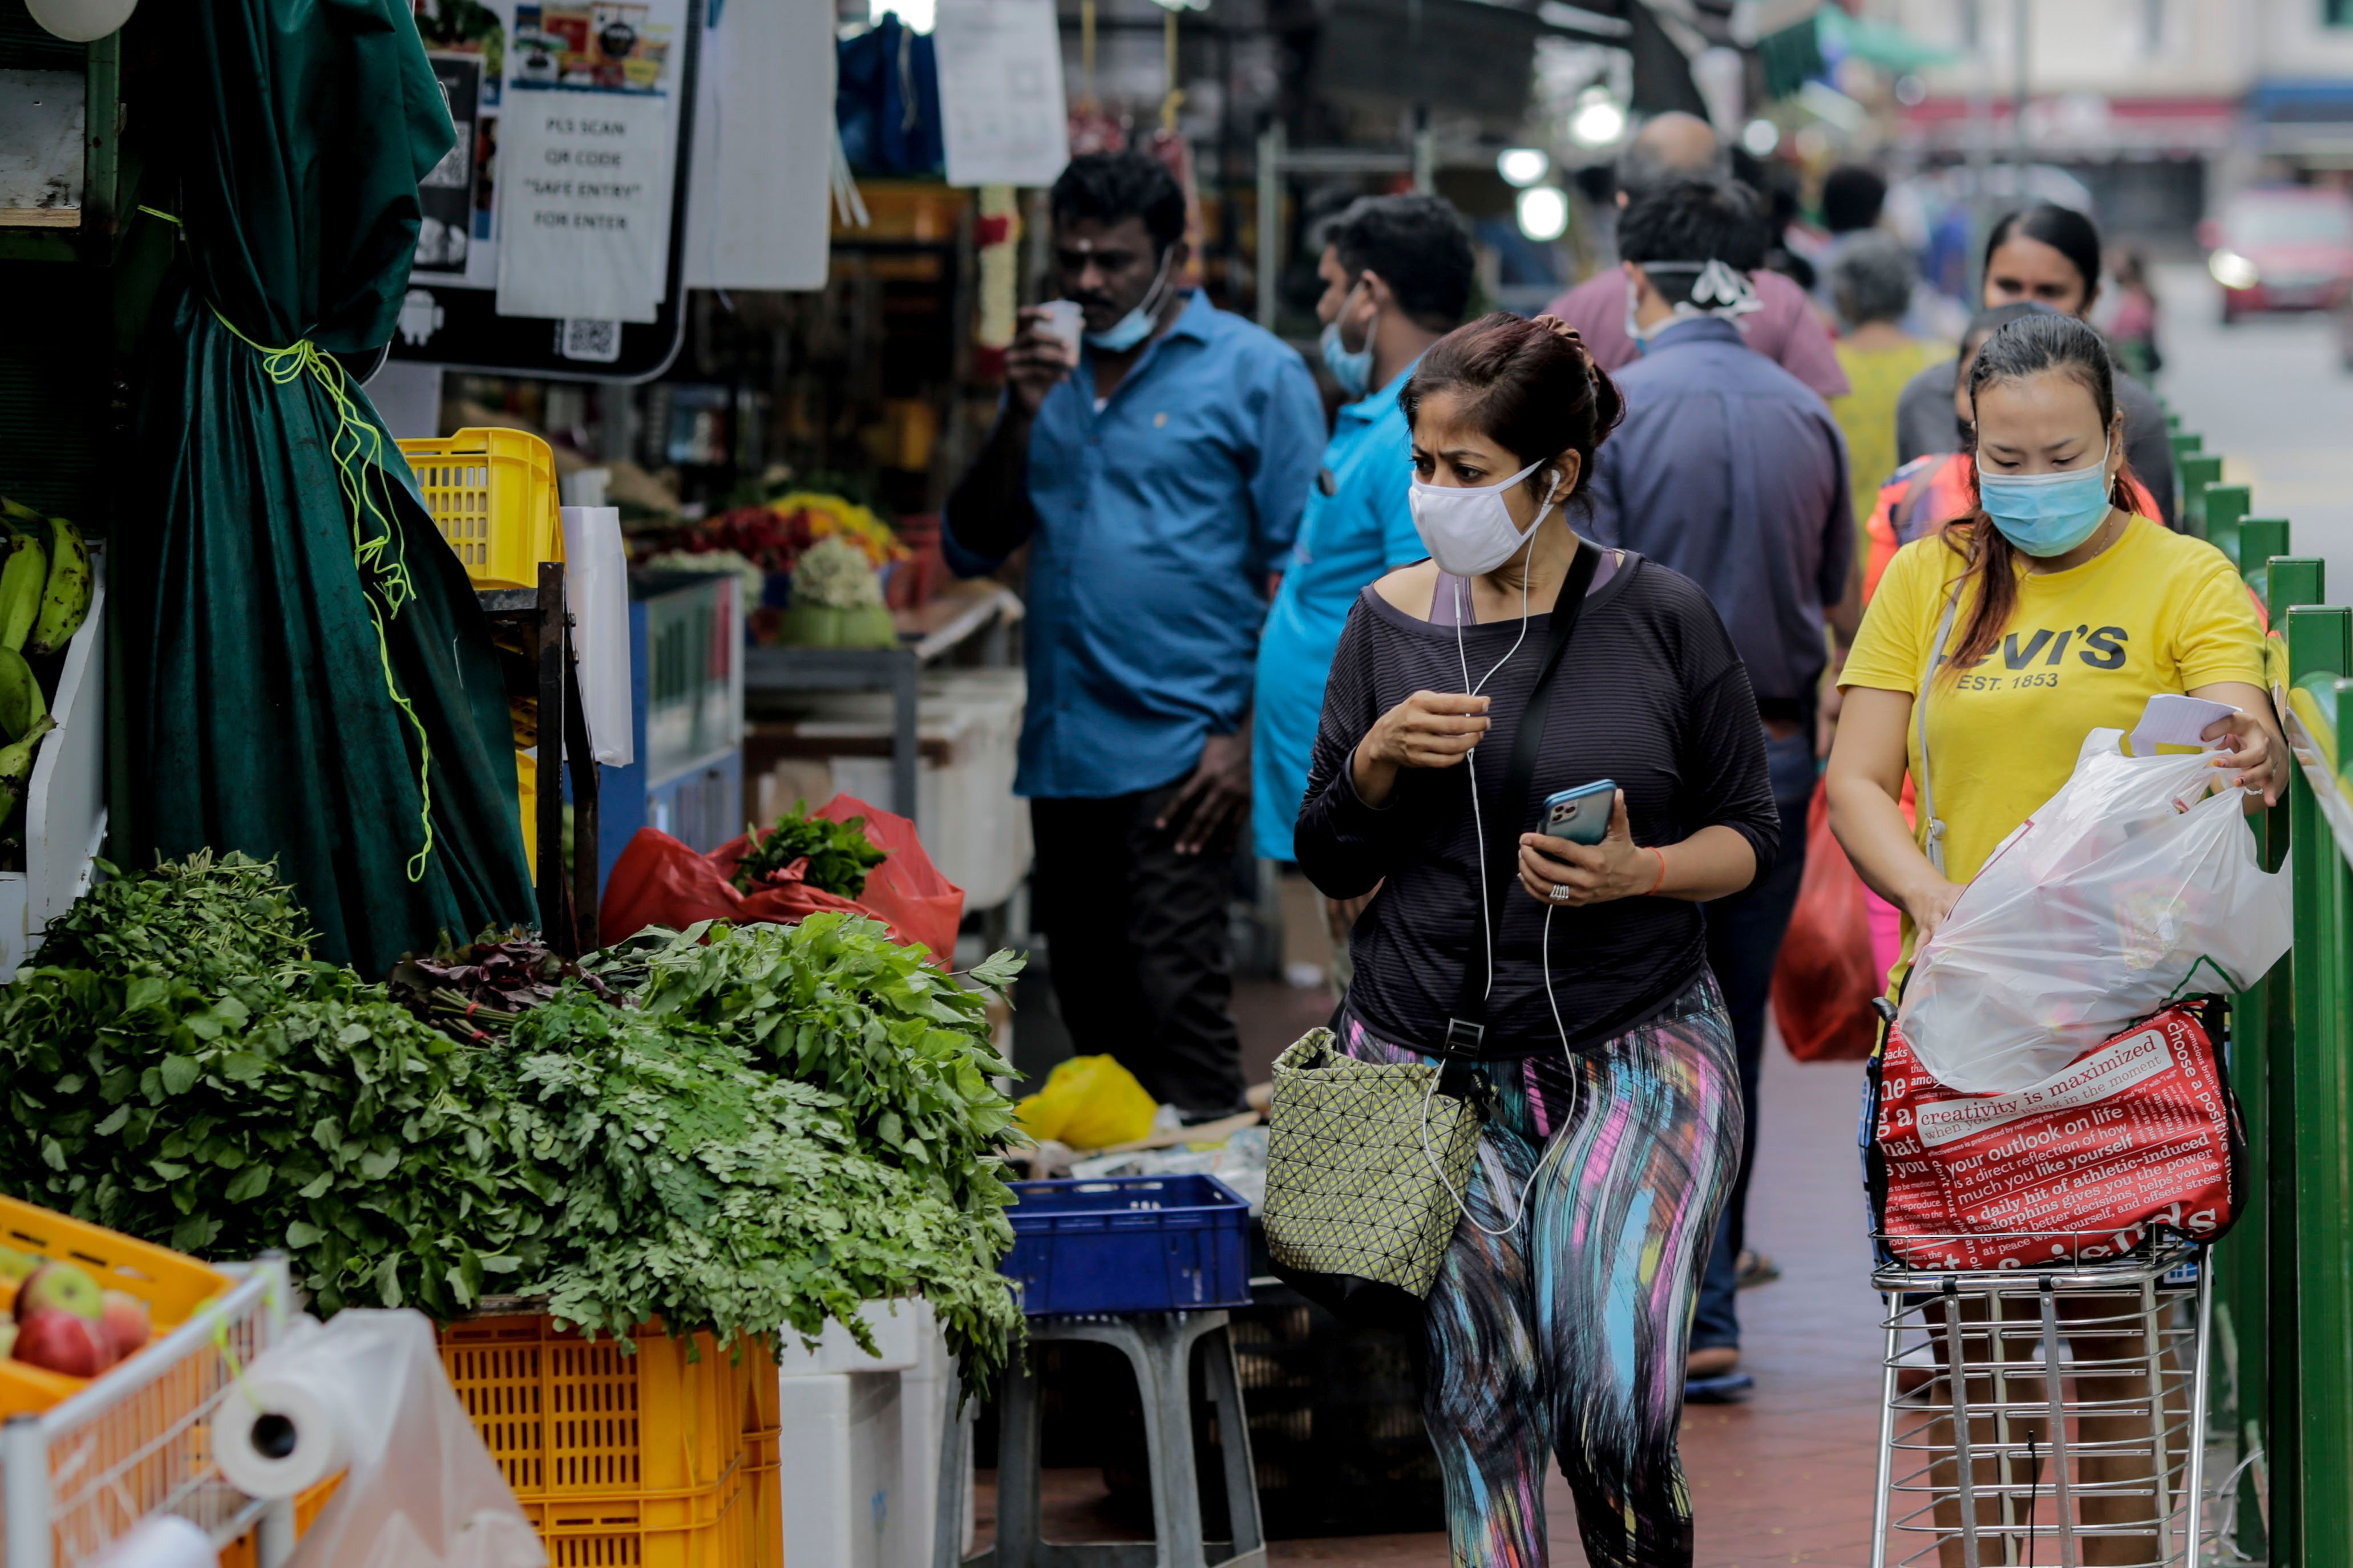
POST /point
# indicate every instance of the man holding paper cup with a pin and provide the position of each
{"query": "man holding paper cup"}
(1156, 461)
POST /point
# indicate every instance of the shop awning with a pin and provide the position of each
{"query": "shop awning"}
(1882, 44)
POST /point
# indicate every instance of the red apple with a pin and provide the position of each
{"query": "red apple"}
(126, 1323)
(62, 1287)
(59, 1341)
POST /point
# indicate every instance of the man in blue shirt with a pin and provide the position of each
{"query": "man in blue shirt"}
(1158, 477)
(1732, 471)
(1397, 275)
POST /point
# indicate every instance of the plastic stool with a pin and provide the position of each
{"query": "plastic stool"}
(1160, 1346)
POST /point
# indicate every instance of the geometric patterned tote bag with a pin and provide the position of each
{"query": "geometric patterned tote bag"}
(1357, 1217)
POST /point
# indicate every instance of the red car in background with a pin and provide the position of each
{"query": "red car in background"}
(2287, 249)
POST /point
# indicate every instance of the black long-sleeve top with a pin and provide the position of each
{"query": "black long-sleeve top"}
(1650, 694)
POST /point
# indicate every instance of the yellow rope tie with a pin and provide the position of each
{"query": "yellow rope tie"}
(357, 450)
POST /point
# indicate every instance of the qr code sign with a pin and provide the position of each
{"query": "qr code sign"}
(589, 338)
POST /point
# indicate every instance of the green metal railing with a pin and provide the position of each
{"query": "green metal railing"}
(2283, 1313)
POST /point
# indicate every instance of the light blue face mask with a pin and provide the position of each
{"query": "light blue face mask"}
(2048, 514)
(1136, 325)
(1352, 368)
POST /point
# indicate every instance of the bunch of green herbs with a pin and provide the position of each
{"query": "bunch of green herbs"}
(179, 1068)
(700, 1187)
(839, 854)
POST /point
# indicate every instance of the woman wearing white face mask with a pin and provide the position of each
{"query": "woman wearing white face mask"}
(1574, 975)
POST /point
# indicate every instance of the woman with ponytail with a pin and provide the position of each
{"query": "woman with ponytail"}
(2069, 612)
(2054, 609)
(1558, 1322)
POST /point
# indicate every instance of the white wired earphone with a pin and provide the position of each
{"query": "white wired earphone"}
(1487, 918)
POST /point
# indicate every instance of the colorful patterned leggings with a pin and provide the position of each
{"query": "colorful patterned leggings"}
(1568, 1334)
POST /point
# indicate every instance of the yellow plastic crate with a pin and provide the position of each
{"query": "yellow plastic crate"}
(492, 495)
(171, 1284)
(527, 797)
(660, 1459)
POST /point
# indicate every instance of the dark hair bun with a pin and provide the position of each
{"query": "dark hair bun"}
(1530, 386)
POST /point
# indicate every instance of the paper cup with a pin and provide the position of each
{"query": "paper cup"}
(1066, 321)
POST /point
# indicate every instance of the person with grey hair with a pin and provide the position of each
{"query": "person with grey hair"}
(1784, 327)
(1872, 281)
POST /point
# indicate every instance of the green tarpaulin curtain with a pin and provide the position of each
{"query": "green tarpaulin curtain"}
(305, 659)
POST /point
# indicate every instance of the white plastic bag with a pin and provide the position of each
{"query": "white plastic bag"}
(597, 583)
(2090, 916)
(365, 1395)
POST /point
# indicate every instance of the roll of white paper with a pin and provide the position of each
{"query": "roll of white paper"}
(161, 1541)
(288, 1424)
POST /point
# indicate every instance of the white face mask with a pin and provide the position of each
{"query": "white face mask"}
(1469, 531)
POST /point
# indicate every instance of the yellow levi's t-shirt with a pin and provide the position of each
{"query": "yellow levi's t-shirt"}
(2086, 649)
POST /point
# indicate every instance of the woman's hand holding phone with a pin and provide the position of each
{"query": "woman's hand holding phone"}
(1556, 871)
(1427, 730)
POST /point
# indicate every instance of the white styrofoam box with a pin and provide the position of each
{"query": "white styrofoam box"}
(65, 801)
(901, 1328)
(974, 828)
(927, 1392)
(841, 1493)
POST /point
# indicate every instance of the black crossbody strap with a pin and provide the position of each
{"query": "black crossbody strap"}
(1466, 1031)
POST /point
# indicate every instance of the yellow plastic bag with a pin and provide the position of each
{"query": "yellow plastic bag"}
(1089, 1102)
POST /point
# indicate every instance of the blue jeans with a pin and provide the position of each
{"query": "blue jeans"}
(1743, 942)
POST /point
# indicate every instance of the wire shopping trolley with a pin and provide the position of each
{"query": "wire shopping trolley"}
(2027, 1412)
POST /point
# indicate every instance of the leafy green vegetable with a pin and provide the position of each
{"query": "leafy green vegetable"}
(205, 1084)
(839, 854)
(835, 1003)
(785, 1122)
(700, 1187)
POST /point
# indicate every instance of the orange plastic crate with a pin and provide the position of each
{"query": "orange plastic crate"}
(171, 1284)
(492, 494)
(655, 1460)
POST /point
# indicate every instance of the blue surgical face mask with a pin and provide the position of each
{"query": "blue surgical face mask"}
(1352, 368)
(1136, 325)
(2048, 514)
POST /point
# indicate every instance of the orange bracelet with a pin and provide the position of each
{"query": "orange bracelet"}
(1663, 870)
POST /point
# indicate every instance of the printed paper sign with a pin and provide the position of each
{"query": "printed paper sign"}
(1002, 118)
(2133, 1133)
(588, 157)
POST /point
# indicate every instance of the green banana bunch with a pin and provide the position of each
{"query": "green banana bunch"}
(17, 765)
(23, 574)
(65, 593)
(21, 703)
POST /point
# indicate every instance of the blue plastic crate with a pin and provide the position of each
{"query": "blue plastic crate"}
(1129, 1244)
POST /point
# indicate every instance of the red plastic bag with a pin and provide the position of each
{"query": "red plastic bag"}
(659, 881)
(1825, 978)
(2138, 1132)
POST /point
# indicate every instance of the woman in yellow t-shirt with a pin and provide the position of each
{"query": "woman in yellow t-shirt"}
(2072, 614)
(2067, 614)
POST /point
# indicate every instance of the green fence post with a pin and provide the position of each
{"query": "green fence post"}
(2293, 583)
(2259, 540)
(2183, 443)
(2199, 469)
(2226, 507)
(2309, 1393)
(2263, 1017)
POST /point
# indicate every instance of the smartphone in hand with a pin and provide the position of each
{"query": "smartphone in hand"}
(1581, 815)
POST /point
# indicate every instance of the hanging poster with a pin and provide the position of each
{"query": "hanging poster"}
(587, 147)
(1002, 116)
(758, 210)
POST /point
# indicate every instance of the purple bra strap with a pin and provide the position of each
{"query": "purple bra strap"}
(1446, 610)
